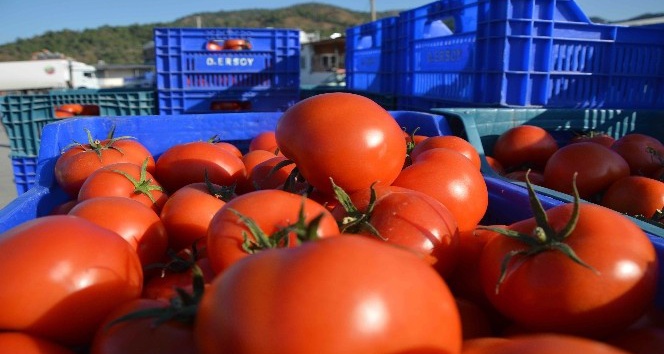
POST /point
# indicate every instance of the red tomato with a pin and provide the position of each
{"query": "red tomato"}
(495, 165)
(548, 343)
(635, 195)
(137, 223)
(597, 167)
(230, 147)
(230, 239)
(213, 46)
(535, 177)
(452, 179)
(475, 322)
(73, 108)
(343, 136)
(124, 180)
(266, 140)
(23, 343)
(266, 175)
(407, 218)
(187, 213)
(250, 160)
(90, 110)
(612, 284)
(595, 137)
(237, 44)
(374, 298)
(451, 142)
(163, 286)
(78, 162)
(142, 335)
(524, 146)
(643, 153)
(482, 345)
(63, 114)
(62, 275)
(187, 163)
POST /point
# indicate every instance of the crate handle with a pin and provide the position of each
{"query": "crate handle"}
(237, 44)
(438, 28)
(230, 106)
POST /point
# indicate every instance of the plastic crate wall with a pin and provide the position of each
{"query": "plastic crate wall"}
(192, 102)
(25, 172)
(501, 53)
(371, 56)
(24, 116)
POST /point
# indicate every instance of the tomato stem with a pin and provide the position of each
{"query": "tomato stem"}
(143, 185)
(356, 221)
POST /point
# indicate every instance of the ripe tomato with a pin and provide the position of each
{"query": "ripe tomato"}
(62, 275)
(126, 180)
(452, 179)
(595, 137)
(250, 160)
(526, 146)
(137, 223)
(79, 161)
(612, 283)
(229, 238)
(237, 44)
(535, 177)
(187, 213)
(451, 142)
(142, 335)
(548, 343)
(187, 163)
(343, 136)
(635, 195)
(475, 322)
(23, 343)
(266, 140)
(597, 167)
(643, 153)
(407, 218)
(163, 285)
(230, 147)
(346, 294)
(73, 108)
(495, 165)
(266, 175)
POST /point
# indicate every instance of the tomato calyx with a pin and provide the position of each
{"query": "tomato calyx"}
(294, 177)
(98, 146)
(281, 238)
(143, 185)
(224, 193)
(543, 238)
(356, 221)
(180, 262)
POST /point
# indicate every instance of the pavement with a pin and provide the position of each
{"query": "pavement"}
(7, 187)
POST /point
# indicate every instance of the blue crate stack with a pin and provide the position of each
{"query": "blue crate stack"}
(197, 74)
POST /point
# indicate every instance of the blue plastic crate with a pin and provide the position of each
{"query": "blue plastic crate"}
(25, 172)
(371, 56)
(184, 61)
(501, 53)
(482, 127)
(24, 116)
(192, 102)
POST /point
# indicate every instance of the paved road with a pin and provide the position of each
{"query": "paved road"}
(7, 187)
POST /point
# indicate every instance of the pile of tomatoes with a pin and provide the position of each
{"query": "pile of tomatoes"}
(69, 110)
(337, 232)
(624, 174)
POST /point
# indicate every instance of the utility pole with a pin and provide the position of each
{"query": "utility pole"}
(373, 9)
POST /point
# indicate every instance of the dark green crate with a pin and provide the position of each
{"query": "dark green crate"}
(482, 127)
(24, 116)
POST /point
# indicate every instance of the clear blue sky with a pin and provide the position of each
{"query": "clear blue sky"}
(27, 18)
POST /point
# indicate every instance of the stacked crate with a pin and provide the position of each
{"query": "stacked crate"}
(216, 70)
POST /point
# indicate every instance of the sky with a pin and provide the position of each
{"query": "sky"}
(28, 18)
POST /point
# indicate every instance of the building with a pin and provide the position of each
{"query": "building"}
(322, 61)
(125, 75)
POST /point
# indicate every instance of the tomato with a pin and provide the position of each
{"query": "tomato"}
(187, 213)
(635, 196)
(62, 275)
(187, 163)
(73, 108)
(597, 167)
(345, 294)
(526, 146)
(542, 288)
(230, 147)
(643, 153)
(237, 44)
(137, 223)
(451, 142)
(126, 180)
(343, 136)
(266, 140)
(594, 137)
(495, 165)
(90, 110)
(63, 114)
(250, 160)
(213, 46)
(142, 335)
(452, 179)
(230, 239)
(267, 174)
(23, 343)
(535, 177)
(407, 218)
(547, 343)
(79, 161)
(176, 276)
(482, 345)
(475, 322)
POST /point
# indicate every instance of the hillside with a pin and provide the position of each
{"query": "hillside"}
(123, 44)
